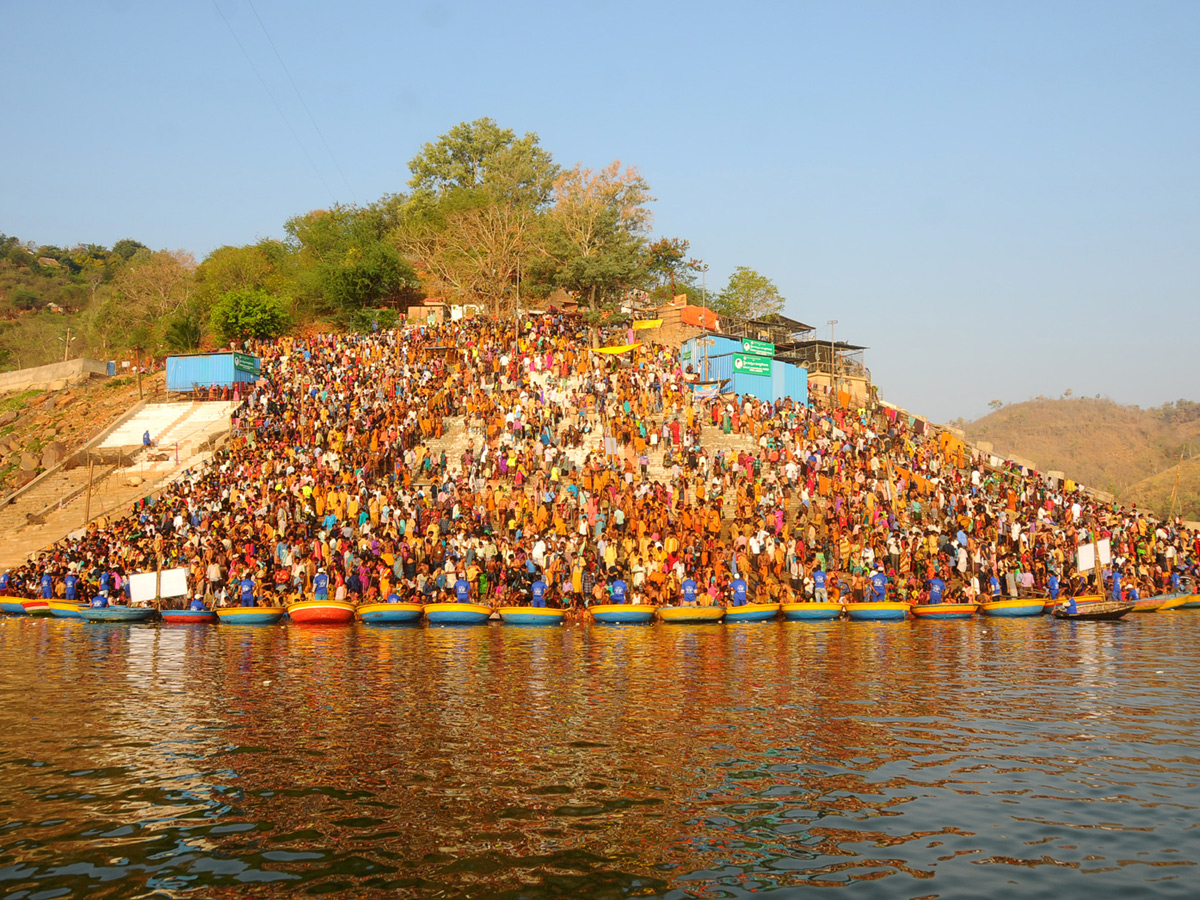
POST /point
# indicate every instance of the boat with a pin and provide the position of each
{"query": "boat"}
(389, 613)
(1107, 610)
(939, 611)
(811, 612)
(622, 613)
(321, 612)
(12, 607)
(751, 612)
(249, 615)
(1190, 601)
(457, 613)
(690, 614)
(887, 611)
(188, 616)
(67, 609)
(37, 607)
(531, 615)
(1151, 604)
(1012, 608)
(120, 614)
(1176, 601)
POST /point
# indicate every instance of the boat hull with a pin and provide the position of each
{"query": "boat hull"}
(36, 607)
(811, 612)
(681, 615)
(188, 616)
(531, 615)
(939, 611)
(1193, 602)
(250, 615)
(888, 611)
(390, 613)
(621, 613)
(12, 607)
(321, 612)
(457, 613)
(1153, 604)
(1094, 612)
(751, 612)
(119, 614)
(67, 609)
(1013, 608)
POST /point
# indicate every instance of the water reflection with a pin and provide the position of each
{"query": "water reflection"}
(904, 759)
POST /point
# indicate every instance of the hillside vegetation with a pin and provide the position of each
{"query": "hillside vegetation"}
(1132, 453)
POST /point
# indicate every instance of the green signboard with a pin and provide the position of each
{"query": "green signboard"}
(760, 348)
(244, 363)
(746, 364)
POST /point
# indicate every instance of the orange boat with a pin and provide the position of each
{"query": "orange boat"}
(321, 612)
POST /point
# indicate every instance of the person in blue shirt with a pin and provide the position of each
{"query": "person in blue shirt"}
(197, 604)
(739, 586)
(393, 597)
(1053, 586)
(106, 581)
(462, 590)
(994, 586)
(100, 601)
(47, 585)
(820, 592)
(879, 583)
(620, 591)
(4, 580)
(538, 589)
(937, 589)
(247, 589)
(689, 592)
(1175, 585)
(71, 583)
(1116, 585)
(1132, 595)
(321, 585)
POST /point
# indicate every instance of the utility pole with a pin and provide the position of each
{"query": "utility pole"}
(67, 345)
(832, 359)
(139, 371)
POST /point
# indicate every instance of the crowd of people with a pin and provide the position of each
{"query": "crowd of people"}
(578, 478)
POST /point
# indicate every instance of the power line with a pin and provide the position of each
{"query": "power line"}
(278, 108)
(299, 97)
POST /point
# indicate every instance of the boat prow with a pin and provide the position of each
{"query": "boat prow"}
(888, 611)
(12, 607)
(821, 611)
(690, 614)
(249, 615)
(36, 607)
(531, 615)
(939, 611)
(389, 613)
(621, 613)
(1031, 606)
(67, 609)
(321, 612)
(751, 612)
(457, 613)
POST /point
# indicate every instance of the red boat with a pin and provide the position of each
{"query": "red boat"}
(321, 612)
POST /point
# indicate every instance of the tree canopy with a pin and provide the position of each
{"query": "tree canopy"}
(749, 295)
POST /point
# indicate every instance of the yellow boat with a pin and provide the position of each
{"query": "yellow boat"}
(457, 613)
(1173, 603)
(621, 613)
(888, 611)
(812, 612)
(681, 614)
(531, 615)
(389, 613)
(1009, 608)
(751, 612)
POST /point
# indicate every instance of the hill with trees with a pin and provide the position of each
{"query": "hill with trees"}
(486, 218)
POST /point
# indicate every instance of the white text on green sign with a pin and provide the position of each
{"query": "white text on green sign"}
(761, 348)
(746, 364)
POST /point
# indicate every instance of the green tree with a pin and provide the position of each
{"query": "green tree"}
(249, 312)
(749, 295)
(184, 333)
(478, 154)
(127, 247)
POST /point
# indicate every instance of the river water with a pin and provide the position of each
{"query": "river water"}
(986, 758)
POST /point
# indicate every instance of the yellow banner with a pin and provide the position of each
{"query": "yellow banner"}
(643, 324)
(624, 348)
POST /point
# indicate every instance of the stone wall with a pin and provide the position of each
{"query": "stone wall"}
(53, 377)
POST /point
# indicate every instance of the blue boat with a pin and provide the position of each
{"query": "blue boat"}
(389, 613)
(887, 611)
(11, 608)
(531, 615)
(120, 613)
(457, 613)
(622, 613)
(821, 611)
(751, 612)
(67, 609)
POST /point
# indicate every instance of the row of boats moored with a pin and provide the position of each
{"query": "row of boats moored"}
(337, 612)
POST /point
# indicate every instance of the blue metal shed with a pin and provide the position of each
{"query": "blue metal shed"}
(189, 373)
(789, 380)
(758, 386)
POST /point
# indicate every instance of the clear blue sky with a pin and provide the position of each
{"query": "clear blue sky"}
(999, 199)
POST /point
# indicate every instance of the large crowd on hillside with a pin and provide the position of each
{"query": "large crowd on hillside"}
(588, 475)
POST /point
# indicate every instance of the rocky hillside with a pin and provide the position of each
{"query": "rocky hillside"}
(1130, 452)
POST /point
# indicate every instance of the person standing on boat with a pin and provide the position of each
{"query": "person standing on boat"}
(820, 591)
(937, 589)
(47, 585)
(462, 589)
(739, 588)
(537, 591)
(619, 590)
(321, 585)
(247, 590)
(1052, 585)
(879, 583)
(689, 592)
(71, 585)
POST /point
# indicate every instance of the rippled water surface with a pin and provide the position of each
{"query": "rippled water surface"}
(1023, 758)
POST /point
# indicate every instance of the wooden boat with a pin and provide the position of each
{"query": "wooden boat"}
(1011, 608)
(457, 613)
(531, 615)
(321, 612)
(939, 611)
(621, 613)
(389, 613)
(888, 611)
(12, 607)
(1107, 610)
(188, 616)
(811, 612)
(120, 614)
(1190, 601)
(690, 614)
(67, 609)
(751, 612)
(1176, 601)
(37, 607)
(1150, 604)
(249, 615)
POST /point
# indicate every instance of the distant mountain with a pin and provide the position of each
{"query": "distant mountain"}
(1129, 452)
